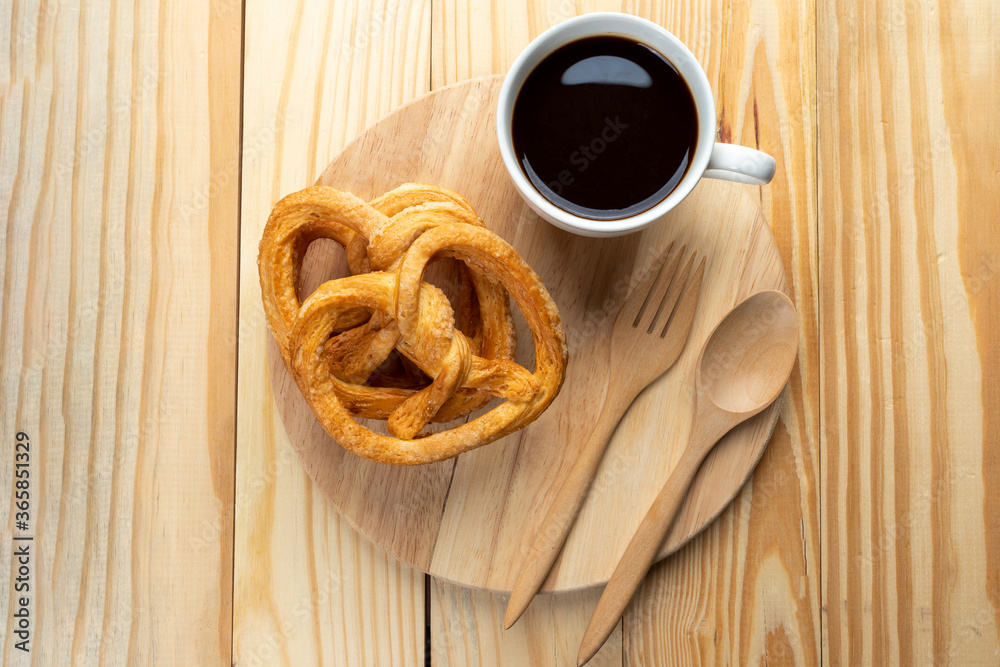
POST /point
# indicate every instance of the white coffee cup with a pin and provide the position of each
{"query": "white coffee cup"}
(711, 159)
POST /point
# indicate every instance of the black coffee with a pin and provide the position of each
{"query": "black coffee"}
(604, 127)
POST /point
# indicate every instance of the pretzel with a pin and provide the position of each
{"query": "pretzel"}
(382, 343)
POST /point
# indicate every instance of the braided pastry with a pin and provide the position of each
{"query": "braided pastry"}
(383, 344)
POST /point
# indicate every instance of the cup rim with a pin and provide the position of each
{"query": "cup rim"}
(637, 29)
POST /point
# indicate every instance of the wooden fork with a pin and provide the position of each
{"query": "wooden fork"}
(646, 340)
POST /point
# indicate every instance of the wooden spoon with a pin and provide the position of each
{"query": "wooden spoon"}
(742, 369)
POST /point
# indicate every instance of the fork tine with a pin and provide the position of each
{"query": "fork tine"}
(673, 292)
(683, 311)
(645, 286)
(660, 283)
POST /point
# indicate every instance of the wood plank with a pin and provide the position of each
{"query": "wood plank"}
(117, 332)
(307, 588)
(471, 39)
(909, 268)
(747, 590)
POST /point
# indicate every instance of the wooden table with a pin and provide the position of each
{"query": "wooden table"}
(143, 145)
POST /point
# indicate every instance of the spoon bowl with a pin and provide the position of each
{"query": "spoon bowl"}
(750, 354)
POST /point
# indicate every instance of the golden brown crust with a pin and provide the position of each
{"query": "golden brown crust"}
(335, 341)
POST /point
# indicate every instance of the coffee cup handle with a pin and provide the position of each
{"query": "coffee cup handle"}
(741, 164)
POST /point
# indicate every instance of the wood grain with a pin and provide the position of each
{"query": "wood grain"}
(308, 588)
(117, 330)
(909, 268)
(467, 629)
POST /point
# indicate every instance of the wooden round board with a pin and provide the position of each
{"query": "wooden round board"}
(469, 519)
